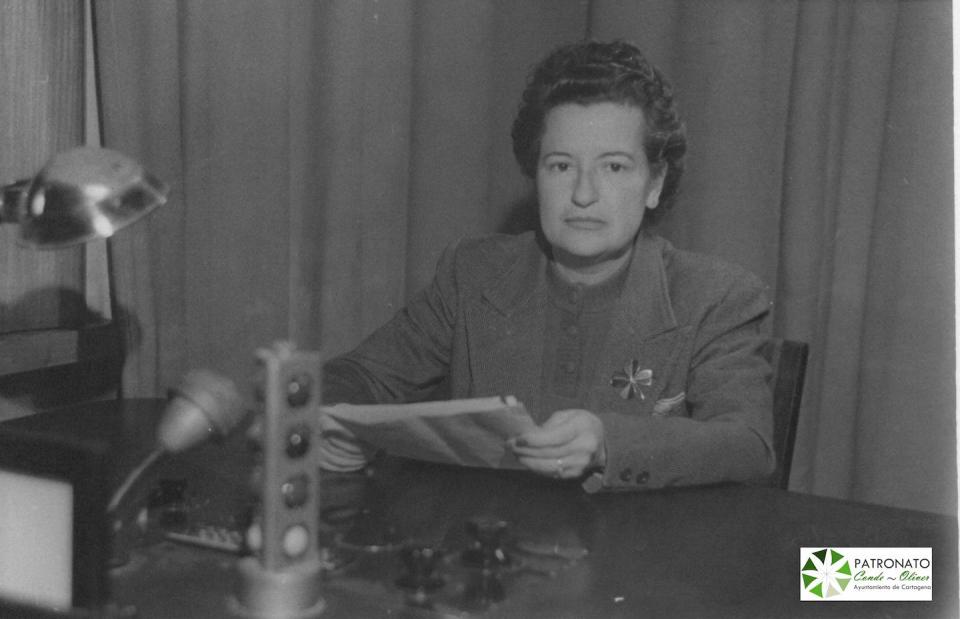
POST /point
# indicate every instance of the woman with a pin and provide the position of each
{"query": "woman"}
(640, 362)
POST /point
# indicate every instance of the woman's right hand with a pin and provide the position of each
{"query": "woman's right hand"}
(339, 450)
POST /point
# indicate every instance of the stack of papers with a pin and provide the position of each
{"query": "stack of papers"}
(470, 432)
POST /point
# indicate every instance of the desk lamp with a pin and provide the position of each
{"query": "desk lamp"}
(61, 485)
(89, 193)
(80, 195)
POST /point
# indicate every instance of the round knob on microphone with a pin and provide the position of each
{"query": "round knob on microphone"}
(204, 405)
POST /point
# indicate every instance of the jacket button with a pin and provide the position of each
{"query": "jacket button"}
(626, 474)
(643, 477)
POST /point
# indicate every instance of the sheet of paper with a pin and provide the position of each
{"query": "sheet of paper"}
(471, 432)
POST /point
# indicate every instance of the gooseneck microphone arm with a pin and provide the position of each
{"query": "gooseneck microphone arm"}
(132, 478)
(205, 405)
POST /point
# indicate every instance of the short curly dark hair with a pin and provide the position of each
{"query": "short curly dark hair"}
(592, 72)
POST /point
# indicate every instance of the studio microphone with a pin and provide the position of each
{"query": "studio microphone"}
(204, 406)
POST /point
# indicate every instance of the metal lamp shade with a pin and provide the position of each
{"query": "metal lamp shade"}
(83, 194)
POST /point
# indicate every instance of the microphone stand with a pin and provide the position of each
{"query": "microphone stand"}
(123, 509)
(204, 406)
(132, 478)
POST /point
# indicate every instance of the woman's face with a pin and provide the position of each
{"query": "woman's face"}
(594, 182)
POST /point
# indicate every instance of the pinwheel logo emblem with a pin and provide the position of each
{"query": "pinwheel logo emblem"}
(628, 381)
(826, 573)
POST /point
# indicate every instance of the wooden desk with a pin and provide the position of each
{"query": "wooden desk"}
(721, 551)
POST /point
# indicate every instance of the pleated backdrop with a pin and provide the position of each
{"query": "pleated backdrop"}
(323, 153)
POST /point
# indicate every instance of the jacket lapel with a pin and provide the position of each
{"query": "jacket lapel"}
(505, 331)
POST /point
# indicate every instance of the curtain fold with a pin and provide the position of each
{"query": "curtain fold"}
(859, 70)
(137, 53)
(366, 62)
(322, 154)
(906, 435)
(41, 114)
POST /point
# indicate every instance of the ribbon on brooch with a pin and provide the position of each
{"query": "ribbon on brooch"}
(629, 380)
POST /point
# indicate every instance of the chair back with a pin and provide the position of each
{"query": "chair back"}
(789, 362)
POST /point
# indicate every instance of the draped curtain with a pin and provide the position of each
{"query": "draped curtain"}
(322, 154)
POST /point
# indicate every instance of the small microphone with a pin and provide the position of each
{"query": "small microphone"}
(205, 404)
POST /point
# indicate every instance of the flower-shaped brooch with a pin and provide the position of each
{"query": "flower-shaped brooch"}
(629, 380)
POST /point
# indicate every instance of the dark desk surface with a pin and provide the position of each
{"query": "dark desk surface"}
(720, 551)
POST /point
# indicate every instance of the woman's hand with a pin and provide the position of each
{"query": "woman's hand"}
(566, 446)
(339, 450)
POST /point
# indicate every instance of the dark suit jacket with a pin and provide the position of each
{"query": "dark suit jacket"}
(701, 414)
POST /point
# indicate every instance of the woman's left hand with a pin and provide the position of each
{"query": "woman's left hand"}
(566, 446)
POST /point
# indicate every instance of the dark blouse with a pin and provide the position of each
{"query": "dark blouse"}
(577, 323)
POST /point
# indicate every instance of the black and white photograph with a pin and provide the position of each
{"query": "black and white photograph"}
(456, 309)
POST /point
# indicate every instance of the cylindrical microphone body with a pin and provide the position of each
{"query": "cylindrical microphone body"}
(205, 404)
